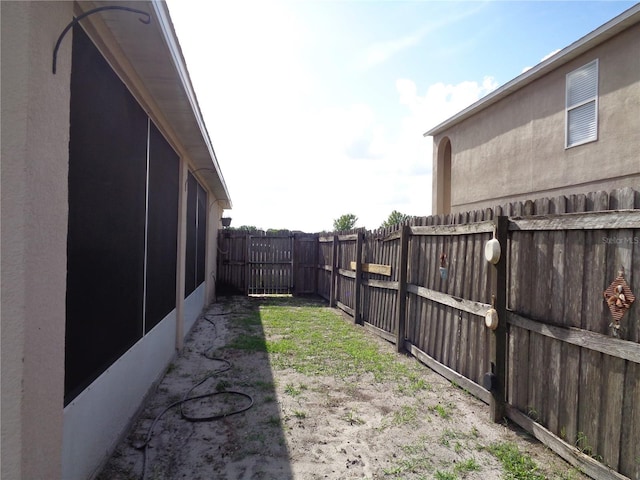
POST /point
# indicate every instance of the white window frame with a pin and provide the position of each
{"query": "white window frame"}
(592, 99)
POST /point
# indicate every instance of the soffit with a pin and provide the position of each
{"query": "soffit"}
(152, 65)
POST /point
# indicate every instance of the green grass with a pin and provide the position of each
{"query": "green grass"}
(469, 465)
(266, 386)
(444, 411)
(409, 465)
(517, 465)
(249, 342)
(294, 391)
(405, 415)
(440, 475)
(325, 344)
(414, 384)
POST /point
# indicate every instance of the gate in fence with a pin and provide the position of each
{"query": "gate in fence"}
(267, 264)
(270, 265)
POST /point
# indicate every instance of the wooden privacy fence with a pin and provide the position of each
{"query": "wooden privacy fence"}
(267, 264)
(552, 364)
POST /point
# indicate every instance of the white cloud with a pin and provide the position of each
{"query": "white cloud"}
(441, 101)
(547, 56)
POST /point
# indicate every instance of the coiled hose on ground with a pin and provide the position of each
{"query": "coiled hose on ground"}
(188, 398)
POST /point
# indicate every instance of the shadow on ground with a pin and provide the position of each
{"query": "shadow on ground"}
(226, 351)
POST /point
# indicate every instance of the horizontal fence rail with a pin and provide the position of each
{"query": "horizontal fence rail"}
(556, 364)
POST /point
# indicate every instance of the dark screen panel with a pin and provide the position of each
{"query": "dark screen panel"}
(202, 235)
(162, 229)
(105, 252)
(192, 236)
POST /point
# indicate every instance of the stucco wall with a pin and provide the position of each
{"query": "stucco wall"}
(515, 149)
(35, 157)
(95, 419)
(35, 141)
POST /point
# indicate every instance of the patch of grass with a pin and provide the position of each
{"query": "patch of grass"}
(452, 438)
(447, 436)
(469, 465)
(444, 411)
(413, 384)
(249, 343)
(294, 391)
(266, 386)
(251, 319)
(532, 413)
(517, 465)
(412, 449)
(324, 343)
(352, 418)
(405, 415)
(440, 475)
(409, 465)
(570, 474)
(582, 444)
(299, 414)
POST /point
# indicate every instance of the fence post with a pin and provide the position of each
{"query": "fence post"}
(334, 272)
(498, 345)
(295, 261)
(358, 284)
(401, 316)
(247, 264)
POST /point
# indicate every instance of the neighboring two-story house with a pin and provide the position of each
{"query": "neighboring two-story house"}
(569, 125)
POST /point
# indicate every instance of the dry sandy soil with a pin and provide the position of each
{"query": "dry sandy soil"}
(310, 427)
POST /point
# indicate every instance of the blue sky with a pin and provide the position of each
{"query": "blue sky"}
(317, 108)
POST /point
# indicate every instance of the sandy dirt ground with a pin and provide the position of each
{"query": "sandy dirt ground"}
(309, 427)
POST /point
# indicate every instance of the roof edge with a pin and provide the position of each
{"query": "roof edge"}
(166, 26)
(614, 26)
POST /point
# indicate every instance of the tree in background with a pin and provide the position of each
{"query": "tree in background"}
(395, 218)
(246, 228)
(345, 222)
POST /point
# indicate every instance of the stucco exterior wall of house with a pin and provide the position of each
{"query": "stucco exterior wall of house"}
(41, 439)
(94, 421)
(35, 142)
(515, 148)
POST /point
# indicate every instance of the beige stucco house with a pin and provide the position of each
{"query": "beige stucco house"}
(111, 201)
(569, 125)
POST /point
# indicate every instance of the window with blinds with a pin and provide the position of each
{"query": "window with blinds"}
(582, 105)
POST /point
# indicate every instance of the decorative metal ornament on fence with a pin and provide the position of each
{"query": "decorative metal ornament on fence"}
(444, 271)
(619, 298)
